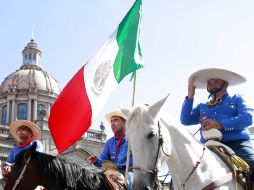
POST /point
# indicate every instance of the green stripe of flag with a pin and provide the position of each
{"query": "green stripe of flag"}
(129, 56)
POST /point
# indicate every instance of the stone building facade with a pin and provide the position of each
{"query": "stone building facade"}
(28, 93)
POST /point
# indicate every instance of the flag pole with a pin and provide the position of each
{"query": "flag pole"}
(129, 150)
(134, 90)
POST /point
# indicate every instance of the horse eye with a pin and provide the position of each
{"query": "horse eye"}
(151, 135)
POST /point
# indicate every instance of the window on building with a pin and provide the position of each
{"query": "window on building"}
(30, 56)
(34, 56)
(25, 56)
(41, 111)
(22, 111)
(4, 115)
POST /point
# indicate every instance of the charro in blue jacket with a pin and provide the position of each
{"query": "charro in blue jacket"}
(232, 113)
(119, 157)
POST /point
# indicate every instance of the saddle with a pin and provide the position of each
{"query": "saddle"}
(238, 166)
(115, 180)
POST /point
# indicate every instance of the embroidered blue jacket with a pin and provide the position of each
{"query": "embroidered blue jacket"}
(119, 157)
(16, 150)
(232, 113)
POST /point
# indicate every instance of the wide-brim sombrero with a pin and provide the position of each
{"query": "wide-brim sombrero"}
(202, 76)
(115, 113)
(16, 124)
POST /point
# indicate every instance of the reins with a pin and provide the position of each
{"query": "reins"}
(194, 168)
(22, 172)
(155, 171)
(212, 185)
(157, 183)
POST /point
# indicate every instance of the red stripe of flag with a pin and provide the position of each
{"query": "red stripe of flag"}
(71, 114)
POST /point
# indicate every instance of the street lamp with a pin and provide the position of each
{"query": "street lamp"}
(102, 127)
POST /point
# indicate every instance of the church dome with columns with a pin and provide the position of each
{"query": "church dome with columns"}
(29, 92)
(30, 77)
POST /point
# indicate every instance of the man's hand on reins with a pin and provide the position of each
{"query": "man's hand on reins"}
(6, 169)
(209, 124)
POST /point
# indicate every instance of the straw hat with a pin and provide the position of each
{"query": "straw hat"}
(202, 76)
(115, 113)
(34, 128)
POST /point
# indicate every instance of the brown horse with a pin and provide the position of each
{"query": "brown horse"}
(33, 168)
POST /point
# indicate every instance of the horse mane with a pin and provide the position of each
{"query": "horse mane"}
(62, 172)
(138, 114)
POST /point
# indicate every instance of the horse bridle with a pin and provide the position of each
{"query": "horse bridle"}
(22, 172)
(154, 172)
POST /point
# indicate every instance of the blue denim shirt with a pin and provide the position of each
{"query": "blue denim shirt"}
(16, 150)
(232, 113)
(119, 157)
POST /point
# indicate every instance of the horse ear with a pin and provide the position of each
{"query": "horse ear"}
(125, 111)
(34, 145)
(31, 150)
(155, 108)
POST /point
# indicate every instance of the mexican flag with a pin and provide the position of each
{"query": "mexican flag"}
(83, 97)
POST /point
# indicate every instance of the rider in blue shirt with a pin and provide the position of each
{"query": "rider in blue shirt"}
(115, 149)
(117, 156)
(25, 133)
(229, 114)
(230, 107)
(17, 149)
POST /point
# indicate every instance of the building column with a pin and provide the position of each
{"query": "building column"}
(8, 112)
(29, 109)
(13, 111)
(35, 110)
(48, 110)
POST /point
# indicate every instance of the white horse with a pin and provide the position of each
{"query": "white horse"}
(191, 164)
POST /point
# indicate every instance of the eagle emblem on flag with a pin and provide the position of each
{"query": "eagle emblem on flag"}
(100, 76)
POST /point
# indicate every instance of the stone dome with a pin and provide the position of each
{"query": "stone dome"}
(30, 77)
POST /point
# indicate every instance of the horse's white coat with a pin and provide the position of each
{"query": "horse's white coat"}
(183, 148)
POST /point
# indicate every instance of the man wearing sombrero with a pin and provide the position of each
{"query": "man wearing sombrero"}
(228, 114)
(25, 133)
(115, 149)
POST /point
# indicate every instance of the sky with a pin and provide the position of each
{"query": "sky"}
(176, 37)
